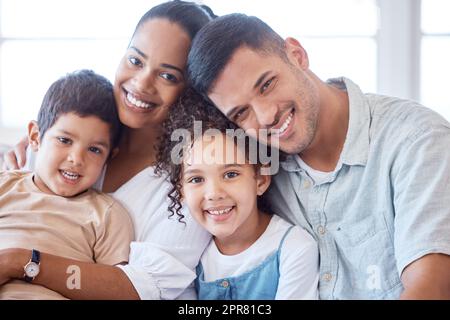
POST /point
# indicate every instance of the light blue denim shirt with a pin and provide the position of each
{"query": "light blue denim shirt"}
(386, 204)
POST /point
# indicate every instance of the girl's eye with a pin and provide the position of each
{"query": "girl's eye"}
(231, 175)
(169, 77)
(95, 150)
(64, 140)
(135, 61)
(195, 180)
(267, 85)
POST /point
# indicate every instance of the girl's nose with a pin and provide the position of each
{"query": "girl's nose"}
(214, 191)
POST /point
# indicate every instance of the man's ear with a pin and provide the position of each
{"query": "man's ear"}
(34, 137)
(296, 53)
(263, 182)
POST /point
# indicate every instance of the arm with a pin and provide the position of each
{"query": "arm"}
(16, 158)
(422, 215)
(427, 278)
(96, 281)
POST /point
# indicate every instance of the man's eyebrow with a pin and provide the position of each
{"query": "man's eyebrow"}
(139, 52)
(232, 111)
(260, 79)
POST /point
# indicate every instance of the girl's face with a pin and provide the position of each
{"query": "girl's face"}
(221, 191)
(150, 76)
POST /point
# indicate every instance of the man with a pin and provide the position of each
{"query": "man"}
(368, 176)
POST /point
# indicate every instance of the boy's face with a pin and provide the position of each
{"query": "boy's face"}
(71, 155)
(220, 191)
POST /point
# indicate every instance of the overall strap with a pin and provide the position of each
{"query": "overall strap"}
(284, 237)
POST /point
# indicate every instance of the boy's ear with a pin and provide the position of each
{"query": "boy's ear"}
(34, 137)
(263, 182)
(296, 53)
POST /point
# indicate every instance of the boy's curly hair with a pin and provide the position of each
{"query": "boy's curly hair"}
(190, 107)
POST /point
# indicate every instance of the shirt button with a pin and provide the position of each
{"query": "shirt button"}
(327, 276)
(321, 230)
(306, 184)
(225, 284)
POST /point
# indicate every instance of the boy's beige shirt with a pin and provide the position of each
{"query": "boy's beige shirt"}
(91, 227)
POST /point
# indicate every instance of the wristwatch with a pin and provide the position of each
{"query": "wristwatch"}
(32, 267)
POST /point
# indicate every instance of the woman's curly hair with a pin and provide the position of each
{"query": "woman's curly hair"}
(190, 107)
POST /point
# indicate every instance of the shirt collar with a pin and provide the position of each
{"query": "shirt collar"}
(356, 146)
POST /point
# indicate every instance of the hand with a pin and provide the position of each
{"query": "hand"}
(11, 264)
(15, 158)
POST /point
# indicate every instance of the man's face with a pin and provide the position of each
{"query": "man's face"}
(258, 91)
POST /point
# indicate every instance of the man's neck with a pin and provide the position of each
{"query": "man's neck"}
(324, 152)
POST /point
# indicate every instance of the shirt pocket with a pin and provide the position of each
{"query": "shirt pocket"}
(366, 260)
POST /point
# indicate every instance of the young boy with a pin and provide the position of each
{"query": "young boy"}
(53, 208)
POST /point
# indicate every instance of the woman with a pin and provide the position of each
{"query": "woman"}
(149, 79)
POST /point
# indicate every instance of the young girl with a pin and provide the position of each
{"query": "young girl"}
(253, 255)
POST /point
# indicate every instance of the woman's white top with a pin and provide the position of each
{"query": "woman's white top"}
(165, 252)
(299, 260)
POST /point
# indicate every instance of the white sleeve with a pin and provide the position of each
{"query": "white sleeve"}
(157, 275)
(299, 267)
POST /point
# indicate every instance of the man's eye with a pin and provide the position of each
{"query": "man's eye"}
(95, 150)
(266, 85)
(169, 77)
(64, 140)
(135, 61)
(240, 115)
(231, 175)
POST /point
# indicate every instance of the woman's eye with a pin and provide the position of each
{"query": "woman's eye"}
(169, 77)
(135, 61)
(95, 150)
(267, 85)
(64, 140)
(231, 175)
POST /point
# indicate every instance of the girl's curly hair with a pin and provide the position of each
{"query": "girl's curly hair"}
(190, 107)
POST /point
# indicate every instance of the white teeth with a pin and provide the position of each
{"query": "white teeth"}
(219, 212)
(70, 175)
(137, 103)
(285, 124)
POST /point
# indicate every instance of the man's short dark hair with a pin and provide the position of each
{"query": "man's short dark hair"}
(83, 93)
(215, 44)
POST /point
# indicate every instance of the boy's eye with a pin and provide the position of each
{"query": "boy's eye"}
(64, 140)
(135, 61)
(195, 180)
(169, 77)
(95, 150)
(267, 85)
(231, 175)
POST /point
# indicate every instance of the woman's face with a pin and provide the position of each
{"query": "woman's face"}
(151, 76)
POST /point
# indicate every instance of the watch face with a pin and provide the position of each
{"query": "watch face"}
(32, 269)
